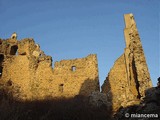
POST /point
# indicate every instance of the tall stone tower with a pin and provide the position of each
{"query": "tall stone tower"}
(129, 78)
(134, 56)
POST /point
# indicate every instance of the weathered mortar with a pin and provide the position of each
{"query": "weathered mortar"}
(29, 74)
(129, 77)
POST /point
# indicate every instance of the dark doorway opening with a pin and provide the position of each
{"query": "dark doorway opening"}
(1, 58)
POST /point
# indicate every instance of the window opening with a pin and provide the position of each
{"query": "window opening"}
(9, 83)
(1, 70)
(73, 68)
(61, 88)
(1, 61)
(13, 50)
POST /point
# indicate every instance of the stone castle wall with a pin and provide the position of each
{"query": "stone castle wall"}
(129, 77)
(28, 72)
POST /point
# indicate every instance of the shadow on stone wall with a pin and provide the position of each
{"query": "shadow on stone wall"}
(76, 108)
(106, 89)
(91, 89)
(149, 105)
(89, 86)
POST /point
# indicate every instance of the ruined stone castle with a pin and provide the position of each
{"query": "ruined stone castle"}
(26, 69)
(28, 72)
(129, 77)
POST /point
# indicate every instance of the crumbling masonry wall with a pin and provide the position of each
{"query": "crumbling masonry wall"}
(27, 72)
(129, 77)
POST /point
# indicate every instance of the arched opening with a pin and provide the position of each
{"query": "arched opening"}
(13, 50)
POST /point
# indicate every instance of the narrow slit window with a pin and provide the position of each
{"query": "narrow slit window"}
(61, 88)
(73, 68)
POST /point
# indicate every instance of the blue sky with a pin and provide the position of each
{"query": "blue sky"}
(68, 29)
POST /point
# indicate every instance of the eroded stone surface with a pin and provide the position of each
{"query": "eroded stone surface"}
(129, 77)
(98, 99)
(27, 72)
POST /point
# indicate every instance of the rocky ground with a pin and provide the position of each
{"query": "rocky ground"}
(148, 109)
